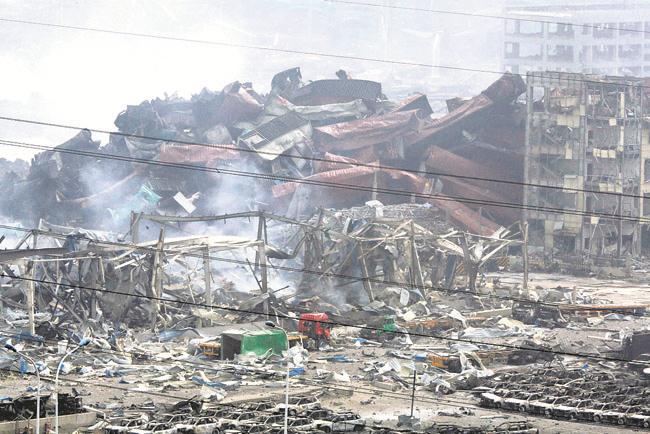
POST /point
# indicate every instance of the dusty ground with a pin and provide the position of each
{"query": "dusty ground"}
(383, 401)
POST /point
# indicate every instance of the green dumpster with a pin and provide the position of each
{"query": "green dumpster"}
(257, 342)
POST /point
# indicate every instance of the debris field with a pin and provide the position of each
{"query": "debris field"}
(319, 241)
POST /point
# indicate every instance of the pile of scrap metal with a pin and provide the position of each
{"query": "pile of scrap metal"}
(24, 407)
(343, 132)
(68, 277)
(381, 264)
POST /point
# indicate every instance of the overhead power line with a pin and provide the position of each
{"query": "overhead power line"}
(276, 267)
(230, 147)
(332, 323)
(278, 50)
(482, 15)
(311, 182)
(326, 384)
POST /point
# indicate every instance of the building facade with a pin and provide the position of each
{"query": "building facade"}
(588, 153)
(589, 36)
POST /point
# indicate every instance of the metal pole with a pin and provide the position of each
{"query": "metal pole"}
(286, 399)
(415, 373)
(286, 392)
(81, 344)
(38, 391)
(31, 289)
(524, 247)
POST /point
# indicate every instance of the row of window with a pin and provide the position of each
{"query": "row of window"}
(634, 71)
(639, 29)
(516, 50)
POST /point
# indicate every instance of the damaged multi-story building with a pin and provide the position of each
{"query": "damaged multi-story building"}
(595, 37)
(587, 140)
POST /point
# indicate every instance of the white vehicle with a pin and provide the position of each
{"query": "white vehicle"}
(296, 424)
(236, 420)
(199, 425)
(131, 424)
(341, 423)
(515, 404)
(155, 429)
(298, 404)
(489, 399)
(637, 419)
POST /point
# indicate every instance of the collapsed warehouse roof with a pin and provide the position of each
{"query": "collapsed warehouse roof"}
(280, 145)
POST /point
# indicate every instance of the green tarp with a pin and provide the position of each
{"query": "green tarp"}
(260, 342)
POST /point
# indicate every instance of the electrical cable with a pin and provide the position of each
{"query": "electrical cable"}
(480, 15)
(231, 147)
(331, 323)
(339, 275)
(323, 385)
(276, 49)
(305, 181)
(360, 388)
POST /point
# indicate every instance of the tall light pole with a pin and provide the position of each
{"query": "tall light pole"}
(286, 394)
(10, 347)
(82, 343)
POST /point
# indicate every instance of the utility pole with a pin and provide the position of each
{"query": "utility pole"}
(524, 251)
(30, 297)
(156, 278)
(619, 244)
(208, 277)
(415, 373)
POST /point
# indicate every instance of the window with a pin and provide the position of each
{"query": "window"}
(511, 50)
(530, 51)
(631, 28)
(604, 52)
(604, 30)
(560, 53)
(630, 52)
(531, 28)
(560, 29)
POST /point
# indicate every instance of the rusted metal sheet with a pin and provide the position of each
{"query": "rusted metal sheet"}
(336, 91)
(504, 90)
(357, 134)
(204, 155)
(446, 127)
(417, 101)
(333, 162)
(353, 175)
(344, 176)
(237, 105)
(278, 136)
(459, 188)
(466, 217)
(441, 161)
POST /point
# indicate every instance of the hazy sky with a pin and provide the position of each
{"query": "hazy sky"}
(85, 78)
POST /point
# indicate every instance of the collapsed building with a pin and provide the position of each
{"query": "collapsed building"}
(180, 156)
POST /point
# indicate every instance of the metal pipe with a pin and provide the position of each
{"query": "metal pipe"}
(38, 384)
(82, 343)
(286, 394)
